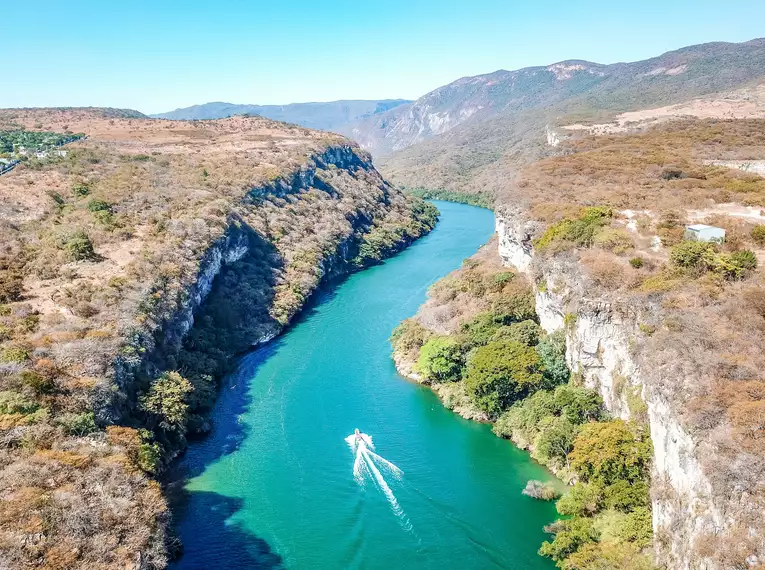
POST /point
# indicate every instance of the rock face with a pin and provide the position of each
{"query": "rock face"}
(603, 347)
(151, 348)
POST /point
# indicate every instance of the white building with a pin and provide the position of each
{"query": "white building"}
(703, 232)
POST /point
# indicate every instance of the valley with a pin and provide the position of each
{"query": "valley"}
(546, 362)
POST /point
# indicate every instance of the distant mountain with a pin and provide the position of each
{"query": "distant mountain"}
(322, 116)
(447, 136)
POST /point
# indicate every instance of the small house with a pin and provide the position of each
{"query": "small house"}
(703, 232)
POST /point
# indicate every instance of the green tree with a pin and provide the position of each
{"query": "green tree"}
(166, 401)
(607, 452)
(552, 353)
(637, 527)
(608, 556)
(555, 440)
(441, 360)
(570, 536)
(578, 405)
(526, 332)
(584, 499)
(500, 373)
(626, 496)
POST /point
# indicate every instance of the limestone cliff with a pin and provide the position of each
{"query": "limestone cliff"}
(605, 346)
(170, 248)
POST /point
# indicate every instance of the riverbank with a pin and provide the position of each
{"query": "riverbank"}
(277, 469)
(478, 344)
(136, 265)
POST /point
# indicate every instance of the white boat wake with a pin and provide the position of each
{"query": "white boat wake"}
(369, 465)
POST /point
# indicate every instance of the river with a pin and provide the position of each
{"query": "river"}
(273, 485)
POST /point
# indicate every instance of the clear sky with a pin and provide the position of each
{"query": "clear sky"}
(157, 55)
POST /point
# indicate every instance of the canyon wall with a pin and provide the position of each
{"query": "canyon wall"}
(605, 348)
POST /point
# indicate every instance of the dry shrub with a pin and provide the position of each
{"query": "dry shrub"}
(618, 241)
(605, 269)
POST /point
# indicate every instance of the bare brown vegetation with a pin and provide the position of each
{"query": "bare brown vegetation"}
(101, 250)
(703, 326)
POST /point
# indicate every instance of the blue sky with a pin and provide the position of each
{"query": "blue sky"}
(159, 55)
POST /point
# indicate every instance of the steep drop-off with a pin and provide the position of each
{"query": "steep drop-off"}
(699, 519)
(134, 267)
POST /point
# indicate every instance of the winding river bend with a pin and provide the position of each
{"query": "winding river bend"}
(273, 486)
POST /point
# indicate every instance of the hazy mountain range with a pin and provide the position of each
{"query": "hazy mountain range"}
(475, 131)
(322, 116)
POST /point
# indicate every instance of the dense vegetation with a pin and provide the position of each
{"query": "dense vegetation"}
(473, 199)
(33, 141)
(517, 376)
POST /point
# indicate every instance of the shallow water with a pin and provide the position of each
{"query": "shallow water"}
(274, 486)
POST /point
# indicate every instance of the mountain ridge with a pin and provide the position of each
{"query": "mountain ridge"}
(315, 115)
(449, 136)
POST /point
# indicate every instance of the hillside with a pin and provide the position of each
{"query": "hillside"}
(321, 116)
(134, 267)
(475, 132)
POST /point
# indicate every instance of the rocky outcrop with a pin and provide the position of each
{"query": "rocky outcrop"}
(605, 347)
(150, 348)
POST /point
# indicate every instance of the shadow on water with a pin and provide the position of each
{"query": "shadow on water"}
(209, 513)
(234, 547)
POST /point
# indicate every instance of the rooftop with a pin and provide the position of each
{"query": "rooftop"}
(699, 227)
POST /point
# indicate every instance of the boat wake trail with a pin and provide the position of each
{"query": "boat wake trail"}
(369, 465)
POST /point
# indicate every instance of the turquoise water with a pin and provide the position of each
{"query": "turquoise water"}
(273, 486)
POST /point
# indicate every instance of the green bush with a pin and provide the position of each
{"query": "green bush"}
(578, 405)
(579, 232)
(80, 247)
(15, 353)
(500, 373)
(40, 385)
(608, 556)
(550, 418)
(409, 335)
(16, 403)
(515, 307)
(693, 255)
(612, 239)
(149, 453)
(482, 328)
(555, 439)
(758, 235)
(524, 417)
(95, 205)
(441, 360)
(77, 424)
(636, 527)
(637, 262)
(81, 190)
(584, 499)
(701, 257)
(735, 265)
(626, 496)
